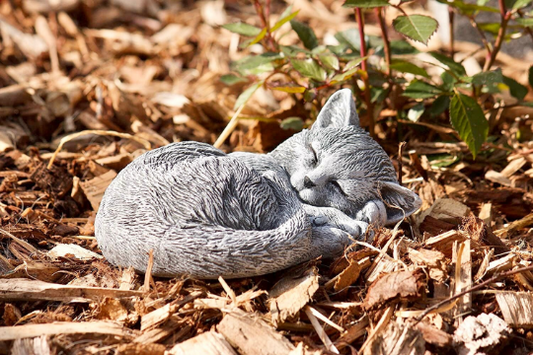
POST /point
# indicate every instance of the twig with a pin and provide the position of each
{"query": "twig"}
(506, 16)
(229, 128)
(481, 35)
(471, 289)
(386, 42)
(148, 274)
(369, 106)
(400, 163)
(451, 16)
(70, 137)
(320, 331)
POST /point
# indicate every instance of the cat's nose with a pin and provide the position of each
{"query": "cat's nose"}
(308, 183)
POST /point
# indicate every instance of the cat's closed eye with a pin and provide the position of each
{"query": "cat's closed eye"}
(337, 186)
(315, 156)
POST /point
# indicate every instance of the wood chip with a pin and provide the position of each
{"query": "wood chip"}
(94, 189)
(209, 343)
(517, 308)
(397, 338)
(160, 315)
(291, 294)
(401, 285)
(37, 330)
(252, 336)
(25, 290)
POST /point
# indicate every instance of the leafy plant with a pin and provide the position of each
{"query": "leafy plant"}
(313, 70)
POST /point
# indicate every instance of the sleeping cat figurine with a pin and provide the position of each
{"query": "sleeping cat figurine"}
(207, 214)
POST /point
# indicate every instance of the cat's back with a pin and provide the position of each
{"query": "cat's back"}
(187, 184)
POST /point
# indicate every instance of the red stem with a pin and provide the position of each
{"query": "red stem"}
(386, 42)
(368, 102)
(506, 16)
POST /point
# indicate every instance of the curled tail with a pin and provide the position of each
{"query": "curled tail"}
(205, 216)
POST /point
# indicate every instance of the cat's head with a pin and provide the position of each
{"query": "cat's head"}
(337, 164)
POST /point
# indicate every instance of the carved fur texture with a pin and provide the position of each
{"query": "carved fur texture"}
(206, 214)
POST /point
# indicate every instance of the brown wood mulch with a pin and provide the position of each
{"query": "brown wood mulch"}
(454, 278)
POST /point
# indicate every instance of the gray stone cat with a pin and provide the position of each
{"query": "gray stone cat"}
(207, 214)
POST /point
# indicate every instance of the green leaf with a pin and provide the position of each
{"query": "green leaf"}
(349, 38)
(530, 76)
(293, 51)
(344, 76)
(349, 70)
(515, 88)
(488, 77)
(242, 29)
(490, 27)
(468, 9)
(526, 22)
(417, 27)
(469, 121)
(330, 61)
(421, 90)
(259, 37)
(402, 47)
(292, 89)
(365, 3)
(440, 104)
(285, 17)
(415, 112)
(231, 79)
(448, 81)
(246, 94)
(518, 4)
(252, 62)
(455, 67)
(294, 123)
(408, 67)
(305, 33)
(309, 68)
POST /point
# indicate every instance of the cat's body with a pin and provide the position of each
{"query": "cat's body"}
(207, 214)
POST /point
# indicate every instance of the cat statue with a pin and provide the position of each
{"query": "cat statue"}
(207, 214)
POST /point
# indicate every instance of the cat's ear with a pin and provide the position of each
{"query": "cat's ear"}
(339, 111)
(399, 201)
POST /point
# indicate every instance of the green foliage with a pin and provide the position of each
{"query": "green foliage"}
(242, 28)
(417, 27)
(408, 67)
(366, 3)
(310, 70)
(305, 33)
(468, 119)
(246, 95)
(421, 90)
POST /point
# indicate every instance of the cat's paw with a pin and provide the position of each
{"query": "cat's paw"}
(319, 221)
(357, 229)
(373, 212)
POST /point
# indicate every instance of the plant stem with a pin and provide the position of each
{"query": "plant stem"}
(451, 16)
(506, 16)
(264, 14)
(386, 41)
(482, 35)
(369, 106)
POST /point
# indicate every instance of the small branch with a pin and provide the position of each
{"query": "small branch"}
(361, 24)
(506, 16)
(364, 66)
(386, 41)
(471, 289)
(451, 16)
(401, 146)
(482, 35)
